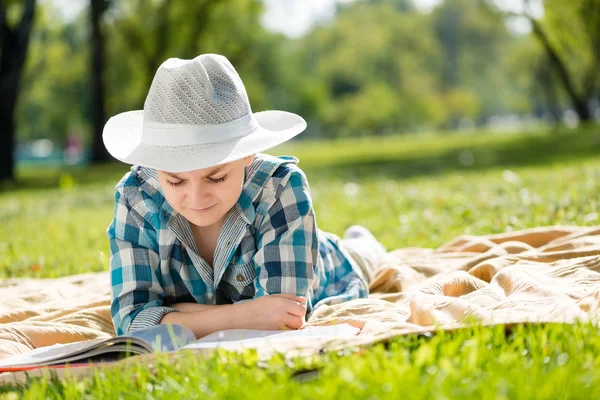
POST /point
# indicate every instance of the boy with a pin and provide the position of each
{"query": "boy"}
(208, 232)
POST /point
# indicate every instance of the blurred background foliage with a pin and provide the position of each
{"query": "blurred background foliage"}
(375, 67)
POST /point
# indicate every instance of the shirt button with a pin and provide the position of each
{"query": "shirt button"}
(240, 278)
(228, 242)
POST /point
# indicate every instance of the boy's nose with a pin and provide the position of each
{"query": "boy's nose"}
(201, 194)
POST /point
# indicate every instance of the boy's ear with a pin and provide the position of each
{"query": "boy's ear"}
(249, 159)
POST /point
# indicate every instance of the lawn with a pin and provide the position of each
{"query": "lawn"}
(410, 191)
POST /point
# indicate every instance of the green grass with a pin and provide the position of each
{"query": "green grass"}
(410, 191)
(554, 362)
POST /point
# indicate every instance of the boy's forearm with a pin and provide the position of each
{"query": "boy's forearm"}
(191, 307)
(207, 320)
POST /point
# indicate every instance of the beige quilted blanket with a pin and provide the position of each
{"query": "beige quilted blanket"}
(549, 274)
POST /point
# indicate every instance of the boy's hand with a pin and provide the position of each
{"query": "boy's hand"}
(272, 312)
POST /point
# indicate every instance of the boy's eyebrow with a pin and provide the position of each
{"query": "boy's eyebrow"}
(214, 171)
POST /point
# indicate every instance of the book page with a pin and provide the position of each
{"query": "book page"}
(164, 337)
(253, 338)
(47, 354)
(156, 338)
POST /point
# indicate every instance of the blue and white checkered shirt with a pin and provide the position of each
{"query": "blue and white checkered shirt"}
(268, 244)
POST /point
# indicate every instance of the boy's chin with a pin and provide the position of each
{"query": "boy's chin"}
(204, 221)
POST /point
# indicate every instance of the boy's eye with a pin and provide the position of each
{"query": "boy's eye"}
(211, 180)
(218, 180)
(178, 183)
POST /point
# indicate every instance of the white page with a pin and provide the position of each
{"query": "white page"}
(49, 353)
(254, 338)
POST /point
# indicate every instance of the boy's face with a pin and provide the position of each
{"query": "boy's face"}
(205, 196)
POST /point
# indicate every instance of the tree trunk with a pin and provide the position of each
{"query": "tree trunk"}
(99, 153)
(14, 43)
(580, 103)
(7, 134)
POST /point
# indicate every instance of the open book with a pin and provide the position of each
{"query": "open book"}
(160, 338)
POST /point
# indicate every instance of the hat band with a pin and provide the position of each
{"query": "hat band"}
(159, 134)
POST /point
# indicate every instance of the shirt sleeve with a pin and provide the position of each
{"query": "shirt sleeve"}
(287, 244)
(137, 296)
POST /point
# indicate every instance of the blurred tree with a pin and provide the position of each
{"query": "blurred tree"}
(55, 86)
(472, 38)
(150, 31)
(378, 66)
(546, 84)
(14, 42)
(442, 69)
(399, 5)
(573, 47)
(256, 53)
(143, 34)
(57, 94)
(535, 88)
(569, 33)
(97, 9)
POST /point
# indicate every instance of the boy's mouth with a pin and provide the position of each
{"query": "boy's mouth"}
(202, 210)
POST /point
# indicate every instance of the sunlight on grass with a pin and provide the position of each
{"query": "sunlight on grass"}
(410, 191)
(534, 362)
(61, 230)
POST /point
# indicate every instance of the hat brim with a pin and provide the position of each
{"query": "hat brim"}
(122, 137)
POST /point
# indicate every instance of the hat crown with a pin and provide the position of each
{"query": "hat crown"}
(204, 91)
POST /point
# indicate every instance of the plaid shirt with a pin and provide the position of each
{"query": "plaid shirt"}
(269, 244)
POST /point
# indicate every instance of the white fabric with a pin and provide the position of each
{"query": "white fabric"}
(196, 115)
(155, 133)
(365, 249)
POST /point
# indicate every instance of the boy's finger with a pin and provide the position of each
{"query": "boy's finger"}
(299, 299)
(297, 309)
(293, 322)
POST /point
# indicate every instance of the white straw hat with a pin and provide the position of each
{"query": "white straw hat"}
(196, 115)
